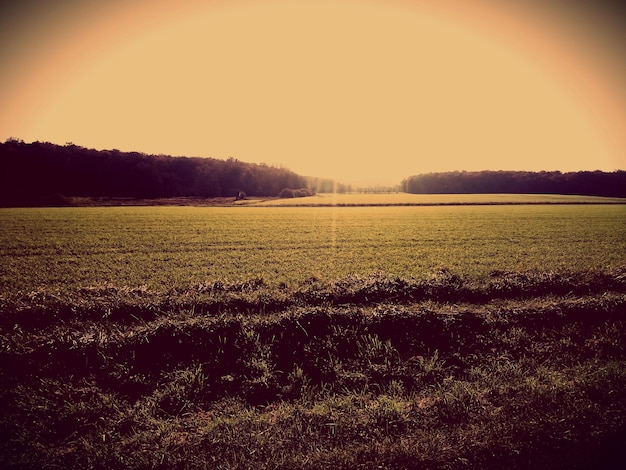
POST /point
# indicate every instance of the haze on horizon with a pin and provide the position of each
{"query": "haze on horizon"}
(364, 91)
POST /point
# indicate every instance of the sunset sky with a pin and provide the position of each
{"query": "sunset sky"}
(366, 91)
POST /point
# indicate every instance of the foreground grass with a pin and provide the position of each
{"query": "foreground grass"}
(520, 370)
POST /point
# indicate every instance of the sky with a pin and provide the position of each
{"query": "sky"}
(364, 91)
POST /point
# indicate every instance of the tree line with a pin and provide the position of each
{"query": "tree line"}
(41, 172)
(32, 173)
(588, 183)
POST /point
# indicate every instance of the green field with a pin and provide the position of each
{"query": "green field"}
(406, 199)
(435, 337)
(61, 249)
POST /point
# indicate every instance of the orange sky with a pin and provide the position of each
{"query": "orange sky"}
(367, 91)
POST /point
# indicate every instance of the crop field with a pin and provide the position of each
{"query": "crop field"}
(165, 247)
(406, 199)
(437, 337)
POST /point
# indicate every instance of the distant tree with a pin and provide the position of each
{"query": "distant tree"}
(289, 193)
(303, 192)
(31, 174)
(591, 183)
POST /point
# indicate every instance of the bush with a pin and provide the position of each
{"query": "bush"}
(288, 193)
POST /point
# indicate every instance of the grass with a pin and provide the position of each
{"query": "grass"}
(521, 370)
(65, 249)
(406, 199)
(329, 337)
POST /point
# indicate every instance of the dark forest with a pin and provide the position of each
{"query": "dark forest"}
(42, 173)
(586, 183)
(37, 173)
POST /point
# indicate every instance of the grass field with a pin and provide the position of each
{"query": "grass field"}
(163, 247)
(447, 337)
(406, 199)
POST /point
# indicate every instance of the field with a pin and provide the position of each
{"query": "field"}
(406, 199)
(462, 336)
(65, 249)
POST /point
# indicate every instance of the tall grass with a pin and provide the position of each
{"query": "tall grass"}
(521, 370)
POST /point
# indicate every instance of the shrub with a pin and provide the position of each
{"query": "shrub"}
(303, 192)
(285, 193)
(288, 193)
